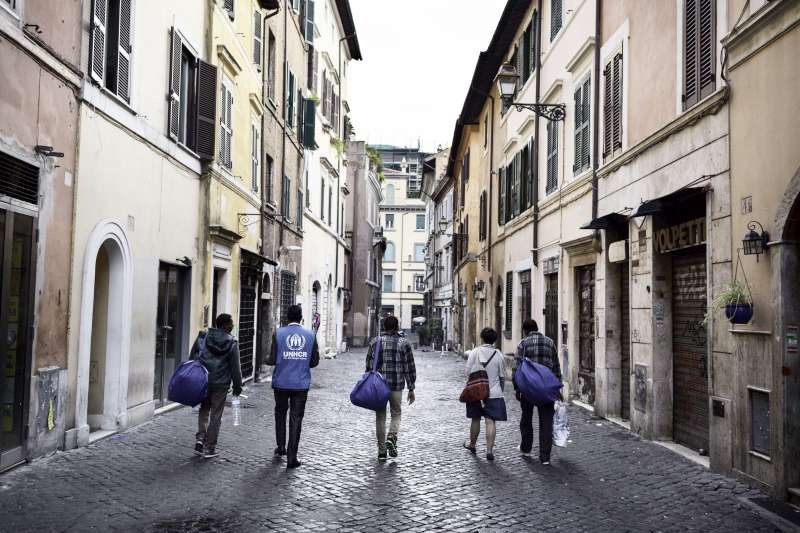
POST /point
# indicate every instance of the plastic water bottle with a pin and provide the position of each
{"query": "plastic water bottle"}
(237, 413)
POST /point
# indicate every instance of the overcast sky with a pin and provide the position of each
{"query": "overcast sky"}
(419, 57)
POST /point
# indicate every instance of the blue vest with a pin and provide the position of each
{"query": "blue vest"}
(293, 357)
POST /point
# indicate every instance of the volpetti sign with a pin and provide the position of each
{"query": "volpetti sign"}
(683, 235)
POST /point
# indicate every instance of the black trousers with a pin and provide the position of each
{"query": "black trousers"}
(293, 402)
(545, 428)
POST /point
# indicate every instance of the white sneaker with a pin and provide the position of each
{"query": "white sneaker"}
(545, 463)
(519, 448)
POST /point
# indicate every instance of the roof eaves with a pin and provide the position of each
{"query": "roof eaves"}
(346, 16)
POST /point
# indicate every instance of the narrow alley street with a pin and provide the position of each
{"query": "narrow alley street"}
(147, 478)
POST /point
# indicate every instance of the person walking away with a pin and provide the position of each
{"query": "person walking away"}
(220, 356)
(493, 409)
(396, 364)
(539, 349)
(294, 353)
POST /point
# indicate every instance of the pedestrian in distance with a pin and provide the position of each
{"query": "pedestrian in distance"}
(294, 353)
(396, 364)
(218, 350)
(493, 409)
(539, 349)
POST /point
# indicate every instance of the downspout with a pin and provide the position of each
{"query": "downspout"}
(491, 187)
(535, 164)
(340, 129)
(596, 111)
(283, 125)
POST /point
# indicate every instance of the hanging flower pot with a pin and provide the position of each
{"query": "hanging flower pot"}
(739, 313)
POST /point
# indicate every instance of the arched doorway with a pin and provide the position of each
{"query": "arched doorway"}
(316, 295)
(104, 334)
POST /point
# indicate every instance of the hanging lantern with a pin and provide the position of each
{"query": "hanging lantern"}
(755, 242)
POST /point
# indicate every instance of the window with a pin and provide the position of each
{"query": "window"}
(307, 20)
(111, 45)
(313, 64)
(552, 157)
(419, 283)
(699, 50)
(420, 222)
(760, 434)
(582, 109)
(412, 168)
(290, 96)
(255, 152)
(271, 66)
(296, 5)
(226, 123)
(388, 282)
(556, 17)
(486, 130)
(525, 51)
(322, 200)
(12, 4)
(527, 175)
(389, 221)
(419, 252)
(509, 301)
(288, 284)
(388, 255)
(285, 198)
(390, 194)
(330, 204)
(299, 207)
(258, 39)
(612, 106)
(501, 196)
(228, 7)
(270, 176)
(525, 297)
(482, 218)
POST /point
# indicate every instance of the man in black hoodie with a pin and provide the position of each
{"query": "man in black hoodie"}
(219, 353)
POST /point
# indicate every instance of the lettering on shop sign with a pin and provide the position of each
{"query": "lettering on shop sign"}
(681, 235)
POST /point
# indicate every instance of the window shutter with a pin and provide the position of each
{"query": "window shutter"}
(310, 68)
(228, 6)
(309, 21)
(607, 105)
(617, 100)
(555, 18)
(124, 50)
(176, 53)
(310, 124)
(258, 39)
(99, 20)
(534, 39)
(509, 300)
(552, 156)
(706, 61)
(229, 131)
(576, 166)
(301, 108)
(206, 109)
(509, 192)
(501, 197)
(586, 107)
(690, 37)
(518, 57)
(324, 98)
(315, 73)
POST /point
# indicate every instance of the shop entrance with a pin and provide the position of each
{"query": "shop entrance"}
(625, 341)
(250, 273)
(171, 327)
(689, 349)
(16, 301)
(585, 277)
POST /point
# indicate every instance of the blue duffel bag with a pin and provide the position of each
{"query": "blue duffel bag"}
(537, 383)
(372, 391)
(189, 383)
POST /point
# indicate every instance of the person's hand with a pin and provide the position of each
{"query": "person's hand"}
(411, 397)
(237, 391)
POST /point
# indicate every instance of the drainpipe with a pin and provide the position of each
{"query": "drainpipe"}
(536, 129)
(596, 111)
(283, 125)
(491, 187)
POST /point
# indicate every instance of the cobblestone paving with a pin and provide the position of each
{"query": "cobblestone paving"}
(147, 478)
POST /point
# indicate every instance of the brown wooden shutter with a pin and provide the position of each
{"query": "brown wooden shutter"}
(607, 105)
(706, 61)
(691, 91)
(586, 108)
(125, 50)
(576, 165)
(99, 21)
(552, 156)
(206, 110)
(617, 98)
(176, 53)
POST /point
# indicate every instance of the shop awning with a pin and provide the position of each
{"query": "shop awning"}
(668, 202)
(611, 220)
(269, 4)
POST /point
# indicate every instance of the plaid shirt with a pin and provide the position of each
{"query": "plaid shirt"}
(395, 362)
(539, 349)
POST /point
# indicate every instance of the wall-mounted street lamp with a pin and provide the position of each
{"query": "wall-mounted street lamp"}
(507, 79)
(443, 223)
(754, 242)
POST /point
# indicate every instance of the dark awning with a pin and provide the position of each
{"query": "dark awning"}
(665, 203)
(269, 4)
(611, 220)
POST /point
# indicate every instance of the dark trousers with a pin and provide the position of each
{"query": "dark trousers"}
(293, 401)
(545, 428)
(210, 417)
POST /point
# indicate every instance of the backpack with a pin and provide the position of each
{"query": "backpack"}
(537, 383)
(189, 383)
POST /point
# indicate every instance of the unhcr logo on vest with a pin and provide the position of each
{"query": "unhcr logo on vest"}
(295, 344)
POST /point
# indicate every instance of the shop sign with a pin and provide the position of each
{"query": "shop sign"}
(550, 265)
(679, 236)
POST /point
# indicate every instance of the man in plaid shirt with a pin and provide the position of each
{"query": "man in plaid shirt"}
(396, 364)
(541, 350)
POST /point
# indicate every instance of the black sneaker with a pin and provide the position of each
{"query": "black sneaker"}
(382, 456)
(280, 451)
(210, 453)
(198, 448)
(391, 445)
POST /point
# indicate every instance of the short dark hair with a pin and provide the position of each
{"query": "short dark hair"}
(529, 325)
(488, 335)
(294, 313)
(390, 323)
(224, 320)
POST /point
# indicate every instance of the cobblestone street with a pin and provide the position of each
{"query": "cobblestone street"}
(148, 478)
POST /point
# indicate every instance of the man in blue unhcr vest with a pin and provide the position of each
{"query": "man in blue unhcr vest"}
(294, 353)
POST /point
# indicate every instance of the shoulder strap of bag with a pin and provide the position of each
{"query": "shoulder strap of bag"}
(376, 353)
(489, 360)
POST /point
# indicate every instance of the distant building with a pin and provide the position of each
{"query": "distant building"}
(405, 225)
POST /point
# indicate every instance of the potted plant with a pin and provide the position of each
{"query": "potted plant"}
(737, 301)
